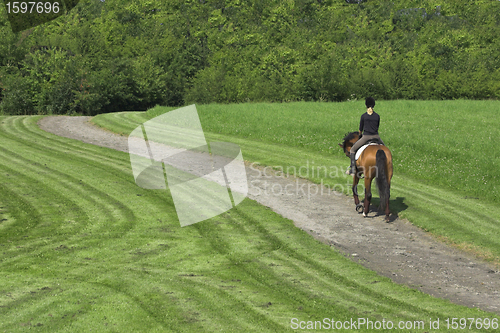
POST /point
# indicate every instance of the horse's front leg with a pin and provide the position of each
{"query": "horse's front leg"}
(355, 182)
(368, 195)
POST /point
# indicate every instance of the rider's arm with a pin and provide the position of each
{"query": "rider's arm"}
(361, 125)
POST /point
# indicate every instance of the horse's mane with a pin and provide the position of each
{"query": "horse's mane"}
(348, 137)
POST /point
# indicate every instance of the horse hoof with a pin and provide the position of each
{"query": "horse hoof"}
(359, 208)
(364, 215)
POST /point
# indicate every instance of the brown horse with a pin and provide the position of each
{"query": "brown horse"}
(375, 162)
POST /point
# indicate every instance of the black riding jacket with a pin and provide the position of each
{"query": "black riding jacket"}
(369, 124)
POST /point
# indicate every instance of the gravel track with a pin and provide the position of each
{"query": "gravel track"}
(397, 250)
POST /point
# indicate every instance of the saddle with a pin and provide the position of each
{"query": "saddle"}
(363, 147)
(375, 141)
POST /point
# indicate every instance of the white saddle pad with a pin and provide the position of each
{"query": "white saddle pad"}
(360, 150)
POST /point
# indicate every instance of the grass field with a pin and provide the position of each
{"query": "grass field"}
(84, 249)
(446, 171)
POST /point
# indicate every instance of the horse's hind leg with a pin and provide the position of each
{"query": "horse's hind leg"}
(389, 178)
(368, 195)
(387, 211)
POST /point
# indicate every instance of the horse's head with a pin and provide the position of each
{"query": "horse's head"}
(349, 141)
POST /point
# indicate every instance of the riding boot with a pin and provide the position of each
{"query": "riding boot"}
(352, 168)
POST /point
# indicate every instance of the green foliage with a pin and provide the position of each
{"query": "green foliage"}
(136, 54)
(46, 74)
(17, 100)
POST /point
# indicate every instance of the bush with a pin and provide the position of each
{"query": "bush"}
(16, 96)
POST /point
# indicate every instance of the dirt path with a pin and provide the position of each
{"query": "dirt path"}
(397, 250)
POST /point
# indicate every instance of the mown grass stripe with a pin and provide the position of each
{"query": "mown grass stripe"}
(84, 150)
(252, 316)
(457, 211)
(66, 186)
(123, 121)
(343, 288)
(461, 223)
(21, 210)
(32, 135)
(37, 139)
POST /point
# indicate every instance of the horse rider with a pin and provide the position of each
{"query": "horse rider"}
(368, 130)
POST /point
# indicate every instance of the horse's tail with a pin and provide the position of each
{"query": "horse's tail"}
(384, 190)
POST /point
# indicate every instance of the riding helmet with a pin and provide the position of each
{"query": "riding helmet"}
(370, 102)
